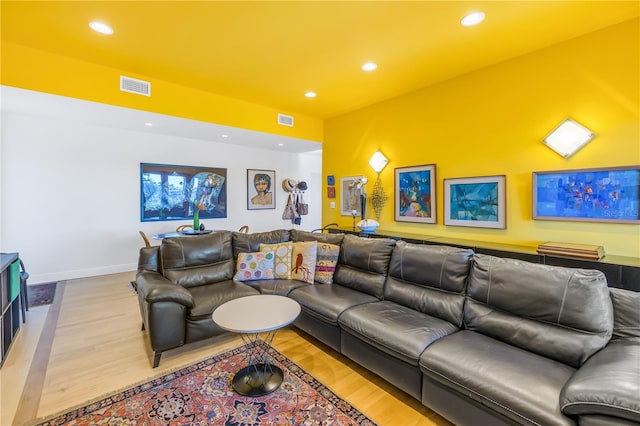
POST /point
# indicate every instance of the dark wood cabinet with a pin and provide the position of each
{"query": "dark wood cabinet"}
(10, 299)
(621, 272)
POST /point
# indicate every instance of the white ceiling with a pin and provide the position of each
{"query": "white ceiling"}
(63, 108)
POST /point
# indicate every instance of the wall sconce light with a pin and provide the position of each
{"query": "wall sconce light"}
(378, 161)
(568, 138)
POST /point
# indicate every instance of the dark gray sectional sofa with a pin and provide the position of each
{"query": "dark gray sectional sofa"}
(479, 339)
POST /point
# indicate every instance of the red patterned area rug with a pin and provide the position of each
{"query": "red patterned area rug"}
(201, 394)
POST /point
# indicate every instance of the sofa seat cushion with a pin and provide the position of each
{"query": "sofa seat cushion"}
(277, 286)
(520, 385)
(328, 301)
(208, 297)
(395, 329)
(607, 384)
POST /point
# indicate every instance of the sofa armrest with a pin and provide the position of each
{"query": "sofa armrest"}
(608, 383)
(156, 288)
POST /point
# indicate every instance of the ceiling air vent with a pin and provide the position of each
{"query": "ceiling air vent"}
(131, 85)
(285, 120)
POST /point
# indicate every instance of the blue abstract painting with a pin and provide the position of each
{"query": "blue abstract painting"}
(598, 195)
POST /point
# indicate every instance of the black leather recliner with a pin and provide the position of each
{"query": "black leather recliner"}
(180, 283)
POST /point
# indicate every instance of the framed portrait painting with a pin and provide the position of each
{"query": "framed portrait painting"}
(171, 192)
(588, 195)
(350, 196)
(476, 202)
(260, 194)
(415, 194)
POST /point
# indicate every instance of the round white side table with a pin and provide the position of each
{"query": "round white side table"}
(257, 319)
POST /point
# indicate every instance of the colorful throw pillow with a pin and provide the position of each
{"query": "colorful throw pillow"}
(282, 261)
(303, 261)
(254, 266)
(326, 262)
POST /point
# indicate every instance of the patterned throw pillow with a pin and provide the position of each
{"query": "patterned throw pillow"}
(326, 262)
(303, 261)
(254, 266)
(282, 262)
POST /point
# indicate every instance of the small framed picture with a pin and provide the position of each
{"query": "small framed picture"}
(477, 202)
(415, 194)
(350, 196)
(260, 194)
(331, 192)
(331, 180)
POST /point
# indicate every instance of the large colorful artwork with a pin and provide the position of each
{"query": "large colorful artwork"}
(169, 192)
(415, 194)
(476, 202)
(590, 195)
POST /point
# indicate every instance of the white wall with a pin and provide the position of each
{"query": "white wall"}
(70, 191)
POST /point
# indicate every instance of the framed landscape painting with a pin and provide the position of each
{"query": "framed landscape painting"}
(260, 194)
(589, 195)
(171, 192)
(476, 202)
(415, 194)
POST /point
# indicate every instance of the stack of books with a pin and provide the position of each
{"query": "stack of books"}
(579, 251)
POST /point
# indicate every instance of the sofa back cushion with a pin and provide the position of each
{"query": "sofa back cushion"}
(626, 313)
(298, 235)
(250, 243)
(191, 261)
(363, 264)
(429, 278)
(561, 313)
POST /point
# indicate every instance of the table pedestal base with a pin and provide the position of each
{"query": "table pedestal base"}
(258, 380)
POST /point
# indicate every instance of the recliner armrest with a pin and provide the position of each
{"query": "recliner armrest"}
(156, 288)
(608, 383)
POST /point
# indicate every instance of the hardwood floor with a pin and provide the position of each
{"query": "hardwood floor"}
(88, 343)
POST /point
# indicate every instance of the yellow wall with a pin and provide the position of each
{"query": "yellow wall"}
(31, 69)
(491, 122)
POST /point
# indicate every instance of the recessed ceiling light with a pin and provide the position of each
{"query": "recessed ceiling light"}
(474, 18)
(148, 124)
(310, 94)
(225, 136)
(369, 66)
(280, 144)
(101, 27)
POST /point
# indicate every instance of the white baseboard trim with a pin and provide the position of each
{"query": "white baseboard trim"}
(80, 273)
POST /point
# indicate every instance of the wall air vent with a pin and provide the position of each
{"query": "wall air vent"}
(131, 85)
(285, 120)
